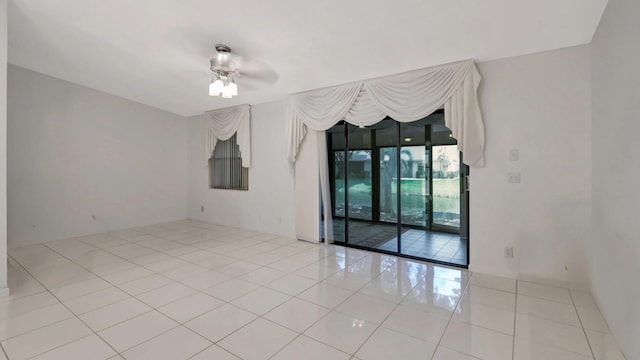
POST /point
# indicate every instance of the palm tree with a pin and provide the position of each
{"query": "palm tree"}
(406, 161)
(388, 165)
(444, 161)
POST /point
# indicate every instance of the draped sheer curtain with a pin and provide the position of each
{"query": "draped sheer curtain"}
(222, 124)
(404, 97)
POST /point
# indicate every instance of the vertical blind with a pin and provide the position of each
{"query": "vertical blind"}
(225, 166)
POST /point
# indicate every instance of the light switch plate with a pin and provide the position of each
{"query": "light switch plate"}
(508, 252)
(513, 178)
(514, 155)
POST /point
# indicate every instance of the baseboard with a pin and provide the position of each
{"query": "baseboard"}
(553, 282)
(307, 240)
(493, 271)
(525, 277)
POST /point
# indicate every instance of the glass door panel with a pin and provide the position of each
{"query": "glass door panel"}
(386, 143)
(388, 185)
(414, 188)
(446, 186)
(359, 173)
(361, 230)
(359, 182)
(386, 138)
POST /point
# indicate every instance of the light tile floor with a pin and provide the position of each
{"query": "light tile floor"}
(193, 290)
(426, 244)
(432, 245)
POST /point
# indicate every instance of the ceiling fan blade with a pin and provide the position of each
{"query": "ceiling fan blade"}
(249, 83)
(257, 72)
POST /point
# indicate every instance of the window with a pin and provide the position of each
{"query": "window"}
(225, 167)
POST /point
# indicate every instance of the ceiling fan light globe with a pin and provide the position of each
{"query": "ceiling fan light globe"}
(227, 93)
(216, 86)
(213, 91)
(233, 88)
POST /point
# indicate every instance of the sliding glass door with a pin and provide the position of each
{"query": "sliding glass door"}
(396, 187)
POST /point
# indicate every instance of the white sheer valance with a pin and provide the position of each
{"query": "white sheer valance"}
(404, 97)
(221, 124)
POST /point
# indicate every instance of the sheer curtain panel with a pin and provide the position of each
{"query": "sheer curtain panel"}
(221, 124)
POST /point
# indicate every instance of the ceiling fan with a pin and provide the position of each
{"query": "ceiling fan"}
(230, 70)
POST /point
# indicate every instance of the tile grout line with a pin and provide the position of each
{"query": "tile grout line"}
(330, 310)
(242, 327)
(209, 347)
(299, 333)
(489, 306)
(77, 317)
(65, 306)
(580, 326)
(368, 337)
(515, 316)
(4, 351)
(351, 356)
(287, 344)
(215, 343)
(154, 273)
(182, 324)
(584, 331)
(466, 288)
(136, 298)
(397, 305)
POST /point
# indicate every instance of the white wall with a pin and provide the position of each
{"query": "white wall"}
(268, 206)
(538, 104)
(74, 152)
(614, 247)
(307, 187)
(3, 147)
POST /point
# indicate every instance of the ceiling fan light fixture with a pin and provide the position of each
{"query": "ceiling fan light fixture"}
(223, 69)
(216, 86)
(233, 88)
(223, 84)
(227, 93)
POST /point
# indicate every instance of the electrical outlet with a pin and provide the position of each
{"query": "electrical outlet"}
(508, 252)
(513, 178)
(514, 155)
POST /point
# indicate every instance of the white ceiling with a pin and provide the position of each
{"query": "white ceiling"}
(157, 52)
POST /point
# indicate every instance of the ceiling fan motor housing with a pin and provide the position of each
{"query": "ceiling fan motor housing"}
(223, 61)
(223, 48)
